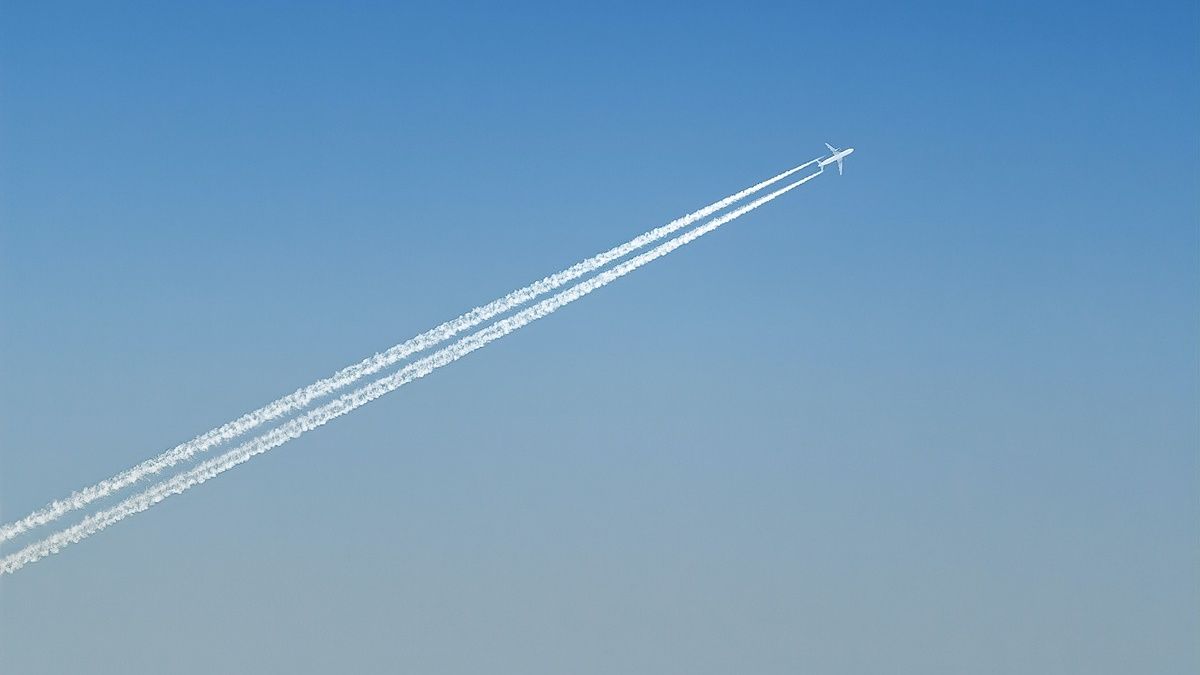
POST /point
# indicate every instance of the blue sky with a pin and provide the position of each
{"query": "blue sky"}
(939, 414)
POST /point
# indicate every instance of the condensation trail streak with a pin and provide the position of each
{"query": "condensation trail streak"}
(302, 397)
(349, 402)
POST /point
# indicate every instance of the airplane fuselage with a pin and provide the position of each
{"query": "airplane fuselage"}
(836, 157)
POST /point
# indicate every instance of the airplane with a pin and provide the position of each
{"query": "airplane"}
(837, 156)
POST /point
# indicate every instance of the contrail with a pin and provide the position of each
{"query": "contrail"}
(359, 397)
(369, 366)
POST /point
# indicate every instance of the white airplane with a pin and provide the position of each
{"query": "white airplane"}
(837, 156)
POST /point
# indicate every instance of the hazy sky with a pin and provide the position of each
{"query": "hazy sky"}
(937, 415)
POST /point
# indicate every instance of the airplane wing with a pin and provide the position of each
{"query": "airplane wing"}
(831, 148)
(839, 167)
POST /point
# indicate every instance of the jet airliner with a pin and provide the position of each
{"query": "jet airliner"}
(837, 156)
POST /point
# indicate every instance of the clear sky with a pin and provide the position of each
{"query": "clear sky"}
(937, 415)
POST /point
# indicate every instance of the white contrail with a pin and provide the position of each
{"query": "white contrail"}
(302, 397)
(359, 397)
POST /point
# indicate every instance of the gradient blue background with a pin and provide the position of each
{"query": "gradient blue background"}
(938, 415)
